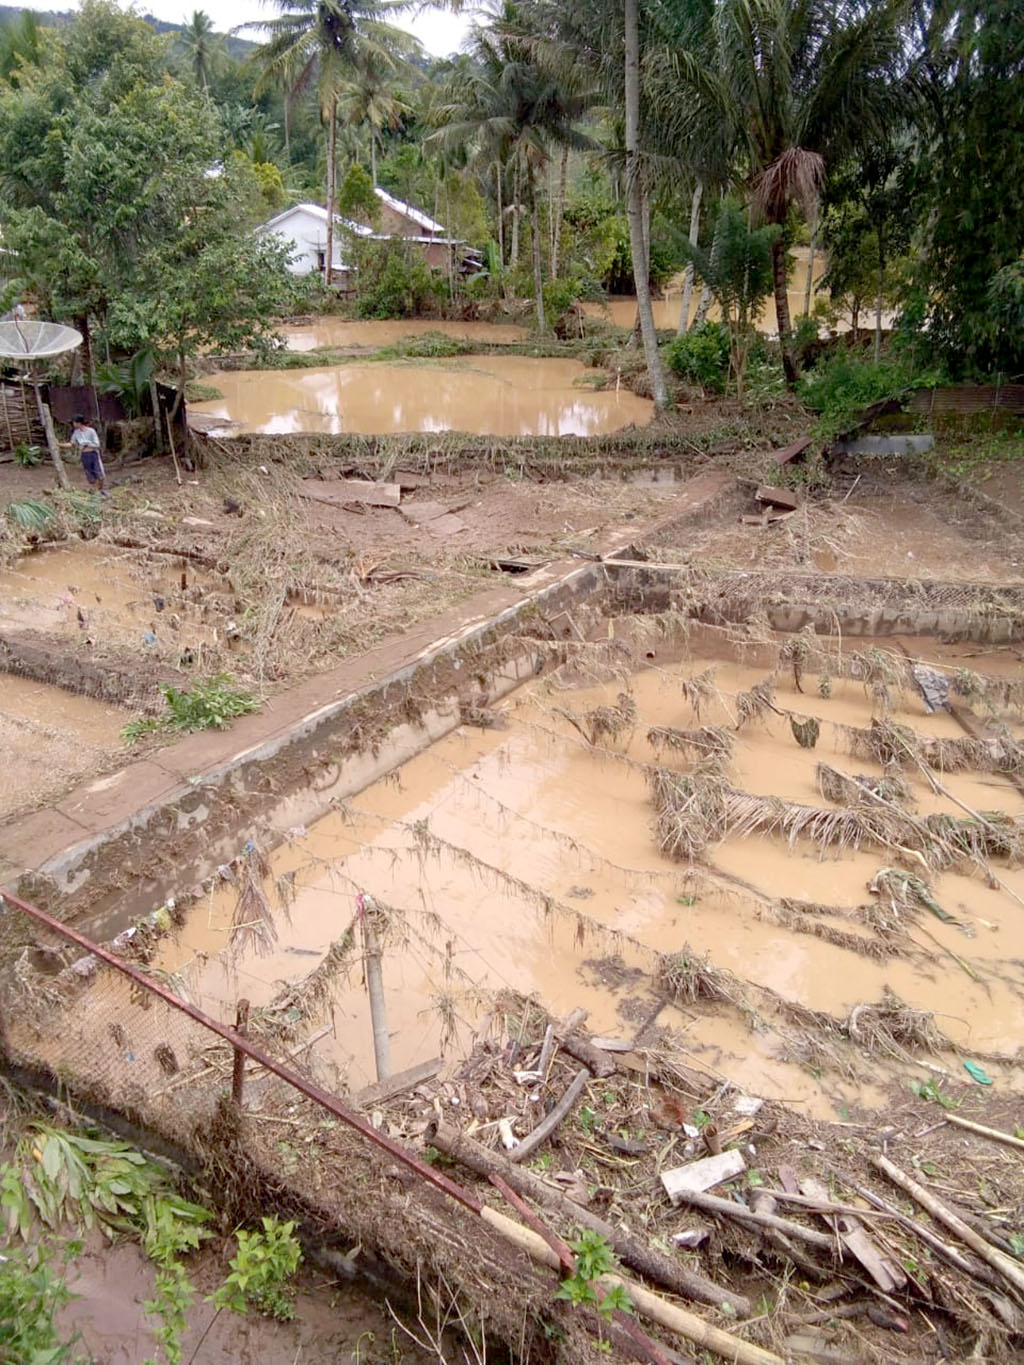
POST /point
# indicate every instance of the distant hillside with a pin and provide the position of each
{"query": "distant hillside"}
(237, 47)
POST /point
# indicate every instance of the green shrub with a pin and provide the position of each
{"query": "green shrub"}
(394, 283)
(702, 356)
(204, 706)
(842, 385)
(28, 456)
(559, 297)
(262, 1271)
(31, 1295)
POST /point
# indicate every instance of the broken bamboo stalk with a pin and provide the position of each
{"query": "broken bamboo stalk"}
(375, 989)
(710, 1203)
(651, 1306)
(651, 1263)
(1012, 1271)
(547, 1125)
(996, 1134)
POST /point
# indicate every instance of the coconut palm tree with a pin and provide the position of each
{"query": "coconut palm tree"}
(786, 87)
(321, 45)
(370, 100)
(202, 48)
(509, 109)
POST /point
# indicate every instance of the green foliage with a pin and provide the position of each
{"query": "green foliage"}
(31, 1296)
(1006, 301)
(843, 384)
(737, 269)
(931, 1090)
(28, 457)
(559, 296)
(173, 1296)
(701, 356)
(32, 516)
(206, 705)
(356, 198)
(95, 1183)
(261, 1272)
(426, 345)
(129, 379)
(393, 282)
(594, 1258)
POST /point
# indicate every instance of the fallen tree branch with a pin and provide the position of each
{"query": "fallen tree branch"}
(650, 1262)
(547, 1125)
(710, 1203)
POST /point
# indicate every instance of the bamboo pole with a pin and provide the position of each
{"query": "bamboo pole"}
(174, 453)
(996, 1134)
(1010, 1269)
(375, 989)
(687, 1325)
(653, 1264)
(710, 1203)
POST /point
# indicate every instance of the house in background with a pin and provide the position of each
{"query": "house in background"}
(304, 228)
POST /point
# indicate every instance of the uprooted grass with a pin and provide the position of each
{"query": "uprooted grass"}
(859, 789)
(894, 1029)
(689, 977)
(889, 743)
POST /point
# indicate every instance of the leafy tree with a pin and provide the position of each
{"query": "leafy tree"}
(972, 176)
(737, 268)
(115, 202)
(782, 92)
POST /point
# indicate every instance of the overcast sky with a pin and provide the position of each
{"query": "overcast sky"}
(440, 32)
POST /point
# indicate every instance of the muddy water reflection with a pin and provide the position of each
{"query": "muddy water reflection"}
(486, 395)
(373, 333)
(521, 857)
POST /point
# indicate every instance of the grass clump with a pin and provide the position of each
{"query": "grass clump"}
(208, 705)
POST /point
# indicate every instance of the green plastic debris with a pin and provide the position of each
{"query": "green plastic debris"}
(977, 1073)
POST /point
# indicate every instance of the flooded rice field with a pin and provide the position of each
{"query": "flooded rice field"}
(374, 333)
(95, 592)
(484, 395)
(539, 854)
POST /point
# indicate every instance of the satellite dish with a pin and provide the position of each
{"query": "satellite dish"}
(33, 340)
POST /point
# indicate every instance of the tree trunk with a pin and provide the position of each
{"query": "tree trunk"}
(288, 126)
(516, 210)
(782, 311)
(373, 158)
(332, 134)
(535, 230)
(878, 297)
(635, 206)
(702, 307)
(500, 170)
(809, 286)
(684, 311)
(556, 240)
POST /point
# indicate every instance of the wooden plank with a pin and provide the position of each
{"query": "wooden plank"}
(791, 452)
(394, 1085)
(337, 492)
(422, 512)
(697, 1176)
(778, 497)
(855, 1237)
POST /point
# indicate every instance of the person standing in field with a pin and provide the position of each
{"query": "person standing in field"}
(84, 437)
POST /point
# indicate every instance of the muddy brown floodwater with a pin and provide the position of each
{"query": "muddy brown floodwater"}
(521, 857)
(333, 1322)
(485, 395)
(335, 331)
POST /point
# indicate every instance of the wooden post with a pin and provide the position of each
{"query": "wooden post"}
(375, 989)
(51, 440)
(7, 418)
(238, 1075)
(174, 453)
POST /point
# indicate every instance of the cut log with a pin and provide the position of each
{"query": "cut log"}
(698, 1176)
(600, 1063)
(651, 1263)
